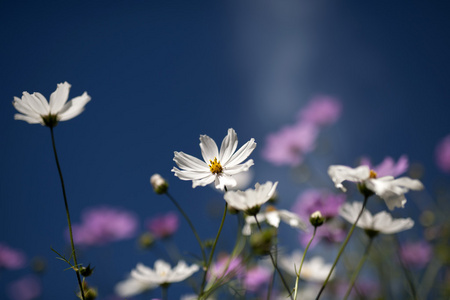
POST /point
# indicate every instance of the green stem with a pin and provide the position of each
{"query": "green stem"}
(358, 268)
(274, 263)
(406, 270)
(190, 225)
(341, 250)
(76, 268)
(211, 254)
(164, 291)
(301, 264)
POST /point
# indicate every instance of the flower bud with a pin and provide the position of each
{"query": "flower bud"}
(159, 184)
(146, 240)
(261, 242)
(89, 292)
(86, 271)
(316, 219)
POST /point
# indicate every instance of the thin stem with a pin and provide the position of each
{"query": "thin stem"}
(406, 270)
(275, 264)
(190, 225)
(211, 254)
(68, 216)
(358, 268)
(341, 250)
(164, 291)
(301, 264)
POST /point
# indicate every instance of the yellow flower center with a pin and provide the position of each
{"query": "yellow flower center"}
(270, 208)
(215, 166)
(373, 174)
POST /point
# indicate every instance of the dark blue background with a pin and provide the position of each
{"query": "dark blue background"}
(160, 73)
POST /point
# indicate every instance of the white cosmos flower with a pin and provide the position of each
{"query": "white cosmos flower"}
(273, 217)
(381, 222)
(391, 190)
(35, 108)
(163, 273)
(251, 200)
(315, 269)
(217, 166)
(131, 287)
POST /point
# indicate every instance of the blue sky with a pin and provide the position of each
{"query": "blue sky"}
(162, 73)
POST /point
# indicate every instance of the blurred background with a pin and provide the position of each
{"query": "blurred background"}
(160, 73)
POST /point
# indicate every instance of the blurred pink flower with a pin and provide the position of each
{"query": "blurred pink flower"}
(288, 146)
(329, 232)
(416, 254)
(163, 226)
(442, 154)
(11, 258)
(103, 225)
(256, 277)
(321, 110)
(226, 266)
(388, 167)
(313, 200)
(26, 288)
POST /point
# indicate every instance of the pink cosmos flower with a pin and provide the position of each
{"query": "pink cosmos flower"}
(288, 146)
(442, 154)
(257, 277)
(313, 200)
(416, 254)
(11, 258)
(26, 288)
(388, 167)
(226, 267)
(163, 226)
(103, 225)
(321, 110)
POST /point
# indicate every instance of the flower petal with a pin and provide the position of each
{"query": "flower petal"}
(229, 145)
(340, 174)
(74, 107)
(241, 154)
(190, 163)
(209, 148)
(59, 97)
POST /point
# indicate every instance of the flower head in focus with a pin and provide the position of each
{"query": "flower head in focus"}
(388, 167)
(217, 166)
(391, 190)
(382, 222)
(251, 200)
(442, 154)
(103, 225)
(315, 269)
(273, 217)
(162, 273)
(35, 109)
(11, 258)
(159, 184)
(163, 226)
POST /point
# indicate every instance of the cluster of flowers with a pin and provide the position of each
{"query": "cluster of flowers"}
(240, 271)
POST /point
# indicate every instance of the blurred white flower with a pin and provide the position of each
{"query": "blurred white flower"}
(273, 217)
(131, 287)
(391, 190)
(35, 108)
(163, 273)
(251, 200)
(218, 166)
(381, 222)
(315, 269)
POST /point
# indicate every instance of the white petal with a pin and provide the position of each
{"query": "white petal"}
(23, 107)
(203, 182)
(223, 180)
(240, 155)
(229, 145)
(34, 103)
(236, 169)
(74, 107)
(28, 119)
(340, 174)
(273, 218)
(59, 97)
(190, 163)
(209, 148)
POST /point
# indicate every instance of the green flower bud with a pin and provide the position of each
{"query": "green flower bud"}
(159, 184)
(86, 271)
(316, 219)
(261, 241)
